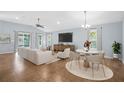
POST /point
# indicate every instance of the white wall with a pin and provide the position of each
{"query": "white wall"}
(8, 27)
(110, 32)
(123, 42)
(79, 37)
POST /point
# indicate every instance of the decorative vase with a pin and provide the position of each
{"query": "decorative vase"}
(87, 49)
(86, 64)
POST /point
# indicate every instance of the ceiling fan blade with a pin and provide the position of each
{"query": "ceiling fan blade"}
(38, 25)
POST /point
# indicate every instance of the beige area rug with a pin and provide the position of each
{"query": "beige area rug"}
(86, 73)
(54, 59)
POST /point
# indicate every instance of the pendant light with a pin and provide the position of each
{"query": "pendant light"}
(85, 26)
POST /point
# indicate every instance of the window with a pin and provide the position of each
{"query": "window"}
(93, 38)
(23, 39)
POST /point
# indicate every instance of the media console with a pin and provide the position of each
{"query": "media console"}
(61, 47)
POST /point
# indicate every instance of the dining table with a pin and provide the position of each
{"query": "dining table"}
(83, 52)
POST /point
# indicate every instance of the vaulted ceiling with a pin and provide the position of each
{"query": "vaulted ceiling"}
(59, 20)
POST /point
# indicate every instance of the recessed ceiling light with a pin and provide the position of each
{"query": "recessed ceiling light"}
(58, 22)
(17, 18)
(82, 26)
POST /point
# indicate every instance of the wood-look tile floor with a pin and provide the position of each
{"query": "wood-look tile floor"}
(15, 69)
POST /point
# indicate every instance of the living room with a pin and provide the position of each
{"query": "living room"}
(23, 35)
(61, 46)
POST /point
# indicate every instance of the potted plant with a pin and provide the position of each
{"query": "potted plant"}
(116, 49)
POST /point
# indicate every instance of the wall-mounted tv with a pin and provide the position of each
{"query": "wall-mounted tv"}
(65, 37)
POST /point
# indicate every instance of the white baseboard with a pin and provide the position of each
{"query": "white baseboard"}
(7, 52)
(123, 61)
(112, 58)
(108, 57)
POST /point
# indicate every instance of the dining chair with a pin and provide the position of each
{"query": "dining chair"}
(74, 57)
(96, 59)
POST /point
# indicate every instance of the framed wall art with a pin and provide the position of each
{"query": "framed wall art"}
(4, 38)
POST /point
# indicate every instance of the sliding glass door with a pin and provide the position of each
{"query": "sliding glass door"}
(23, 39)
(49, 39)
(39, 40)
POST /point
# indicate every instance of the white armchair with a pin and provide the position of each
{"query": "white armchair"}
(64, 54)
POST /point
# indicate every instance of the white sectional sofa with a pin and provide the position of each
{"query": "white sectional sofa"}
(35, 56)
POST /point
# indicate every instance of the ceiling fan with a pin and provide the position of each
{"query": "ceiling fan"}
(38, 24)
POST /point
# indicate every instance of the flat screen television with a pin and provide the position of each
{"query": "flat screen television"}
(65, 37)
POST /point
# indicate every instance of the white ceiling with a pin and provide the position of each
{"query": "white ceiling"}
(67, 19)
